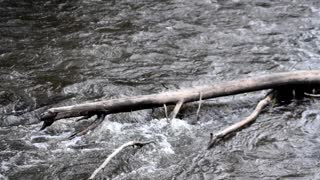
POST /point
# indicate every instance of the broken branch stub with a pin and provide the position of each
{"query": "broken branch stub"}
(305, 79)
(176, 109)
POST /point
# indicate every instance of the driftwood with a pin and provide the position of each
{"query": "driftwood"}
(115, 152)
(199, 106)
(176, 109)
(300, 82)
(253, 116)
(312, 95)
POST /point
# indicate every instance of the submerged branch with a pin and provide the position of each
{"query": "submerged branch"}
(91, 127)
(253, 116)
(115, 152)
(199, 106)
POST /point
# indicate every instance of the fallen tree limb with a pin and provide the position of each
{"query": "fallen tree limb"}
(166, 111)
(199, 106)
(115, 152)
(176, 109)
(301, 79)
(312, 95)
(253, 116)
(92, 126)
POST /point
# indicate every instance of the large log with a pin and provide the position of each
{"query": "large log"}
(304, 80)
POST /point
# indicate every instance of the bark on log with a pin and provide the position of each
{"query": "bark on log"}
(302, 79)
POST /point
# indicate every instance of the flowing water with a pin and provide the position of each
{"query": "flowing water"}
(63, 52)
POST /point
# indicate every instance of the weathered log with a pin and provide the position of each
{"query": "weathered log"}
(303, 79)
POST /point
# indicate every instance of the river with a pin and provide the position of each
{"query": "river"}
(62, 52)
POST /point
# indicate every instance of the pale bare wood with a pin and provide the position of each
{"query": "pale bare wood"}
(176, 109)
(249, 119)
(165, 111)
(312, 95)
(115, 152)
(276, 80)
(199, 106)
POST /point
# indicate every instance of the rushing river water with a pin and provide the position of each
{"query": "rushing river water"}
(61, 52)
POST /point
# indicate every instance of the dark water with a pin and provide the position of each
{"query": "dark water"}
(60, 52)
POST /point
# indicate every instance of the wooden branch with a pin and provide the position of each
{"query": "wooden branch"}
(312, 95)
(199, 106)
(92, 126)
(115, 152)
(176, 109)
(165, 111)
(253, 116)
(84, 117)
(272, 81)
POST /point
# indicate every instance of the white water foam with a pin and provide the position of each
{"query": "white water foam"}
(42, 146)
(113, 127)
(2, 177)
(5, 165)
(165, 145)
(157, 129)
(179, 125)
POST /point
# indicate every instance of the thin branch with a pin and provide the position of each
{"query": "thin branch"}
(199, 107)
(92, 126)
(166, 111)
(115, 152)
(218, 136)
(176, 109)
(312, 95)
